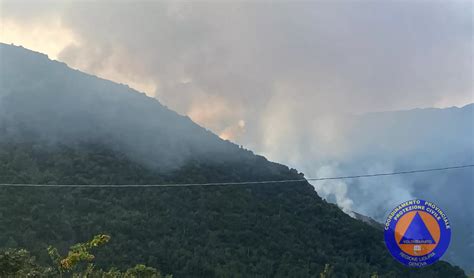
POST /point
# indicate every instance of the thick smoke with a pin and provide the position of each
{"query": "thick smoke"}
(45, 101)
(284, 79)
(237, 57)
(390, 142)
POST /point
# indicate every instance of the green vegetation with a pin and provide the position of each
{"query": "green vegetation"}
(78, 263)
(267, 230)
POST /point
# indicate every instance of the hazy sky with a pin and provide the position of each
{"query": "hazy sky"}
(277, 76)
(273, 76)
(242, 67)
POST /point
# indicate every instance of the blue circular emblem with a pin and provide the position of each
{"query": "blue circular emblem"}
(417, 233)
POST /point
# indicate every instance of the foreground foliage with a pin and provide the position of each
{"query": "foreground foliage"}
(77, 263)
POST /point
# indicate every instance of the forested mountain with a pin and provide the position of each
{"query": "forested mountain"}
(420, 138)
(52, 103)
(60, 126)
(403, 140)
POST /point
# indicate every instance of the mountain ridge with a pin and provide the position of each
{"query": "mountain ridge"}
(271, 230)
(94, 109)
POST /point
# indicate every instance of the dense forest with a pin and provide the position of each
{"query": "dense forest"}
(266, 230)
(59, 126)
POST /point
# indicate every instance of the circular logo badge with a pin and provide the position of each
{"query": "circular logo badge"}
(417, 233)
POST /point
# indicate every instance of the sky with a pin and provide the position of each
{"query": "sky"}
(278, 77)
(240, 67)
(285, 79)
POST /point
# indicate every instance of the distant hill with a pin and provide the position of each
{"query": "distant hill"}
(416, 139)
(394, 141)
(60, 126)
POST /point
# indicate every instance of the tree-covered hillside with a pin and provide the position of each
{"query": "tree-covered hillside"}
(267, 230)
(61, 126)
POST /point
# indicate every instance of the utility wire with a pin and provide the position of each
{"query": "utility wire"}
(240, 183)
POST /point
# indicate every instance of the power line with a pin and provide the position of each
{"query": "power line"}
(395, 173)
(240, 183)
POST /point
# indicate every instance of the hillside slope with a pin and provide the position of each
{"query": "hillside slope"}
(415, 139)
(60, 126)
(47, 100)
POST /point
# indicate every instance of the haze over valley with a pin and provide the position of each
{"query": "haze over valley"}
(104, 92)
